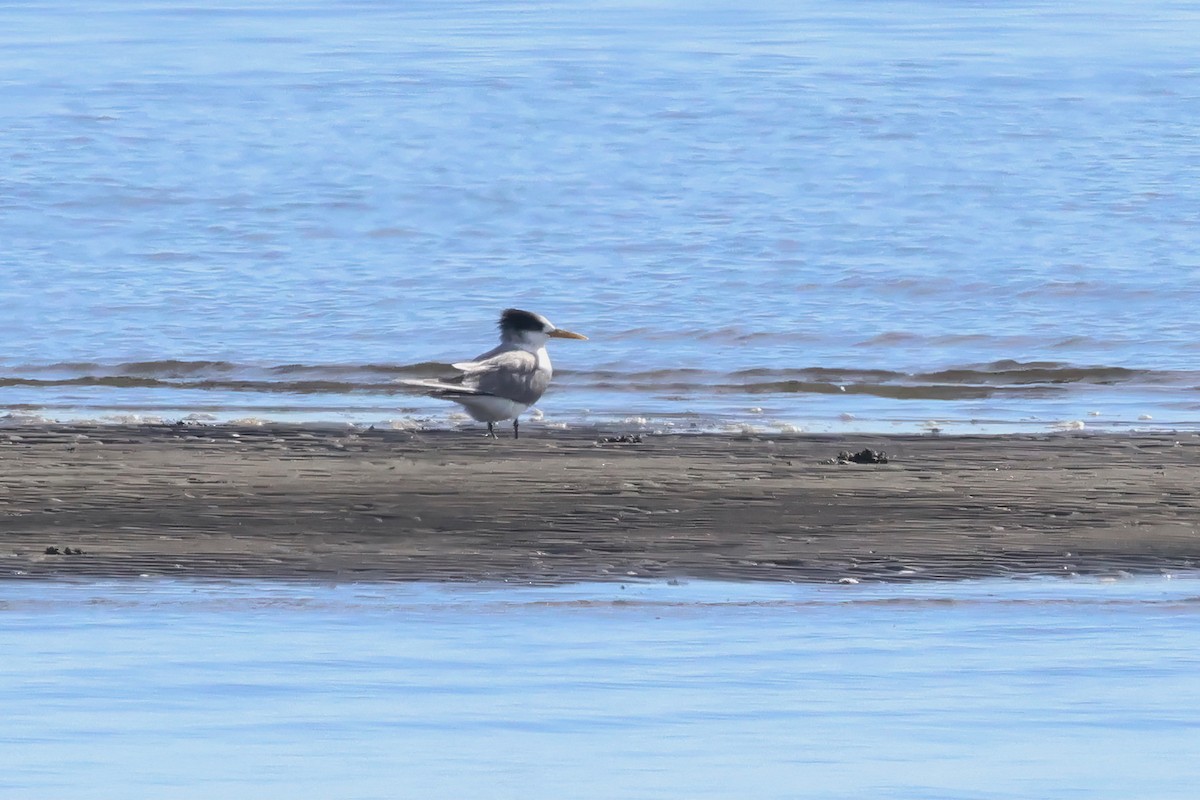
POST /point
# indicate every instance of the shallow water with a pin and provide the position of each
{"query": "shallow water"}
(199, 197)
(1051, 689)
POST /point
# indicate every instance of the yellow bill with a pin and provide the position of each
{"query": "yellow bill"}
(559, 333)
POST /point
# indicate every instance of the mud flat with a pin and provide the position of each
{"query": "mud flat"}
(338, 504)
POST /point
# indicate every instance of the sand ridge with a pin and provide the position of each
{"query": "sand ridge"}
(341, 504)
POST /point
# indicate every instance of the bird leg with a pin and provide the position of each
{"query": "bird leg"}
(516, 428)
(491, 431)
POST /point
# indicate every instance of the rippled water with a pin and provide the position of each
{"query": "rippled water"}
(769, 213)
(1049, 689)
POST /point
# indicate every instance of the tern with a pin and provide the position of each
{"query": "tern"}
(501, 383)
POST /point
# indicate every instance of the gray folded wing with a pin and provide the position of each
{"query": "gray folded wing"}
(514, 375)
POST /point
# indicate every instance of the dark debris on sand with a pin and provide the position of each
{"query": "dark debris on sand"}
(864, 456)
(625, 438)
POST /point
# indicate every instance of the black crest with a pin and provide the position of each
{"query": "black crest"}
(516, 320)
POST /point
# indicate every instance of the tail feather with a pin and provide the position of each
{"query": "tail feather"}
(442, 389)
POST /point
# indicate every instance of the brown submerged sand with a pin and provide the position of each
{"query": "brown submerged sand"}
(323, 504)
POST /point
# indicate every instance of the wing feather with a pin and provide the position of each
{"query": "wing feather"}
(516, 375)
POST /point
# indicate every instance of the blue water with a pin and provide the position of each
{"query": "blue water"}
(844, 200)
(1048, 689)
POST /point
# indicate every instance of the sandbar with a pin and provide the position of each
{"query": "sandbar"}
(324, 503)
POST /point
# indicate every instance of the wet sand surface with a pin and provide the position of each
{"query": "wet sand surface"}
(313, 503)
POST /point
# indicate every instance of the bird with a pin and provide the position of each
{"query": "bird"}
(501, 383)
